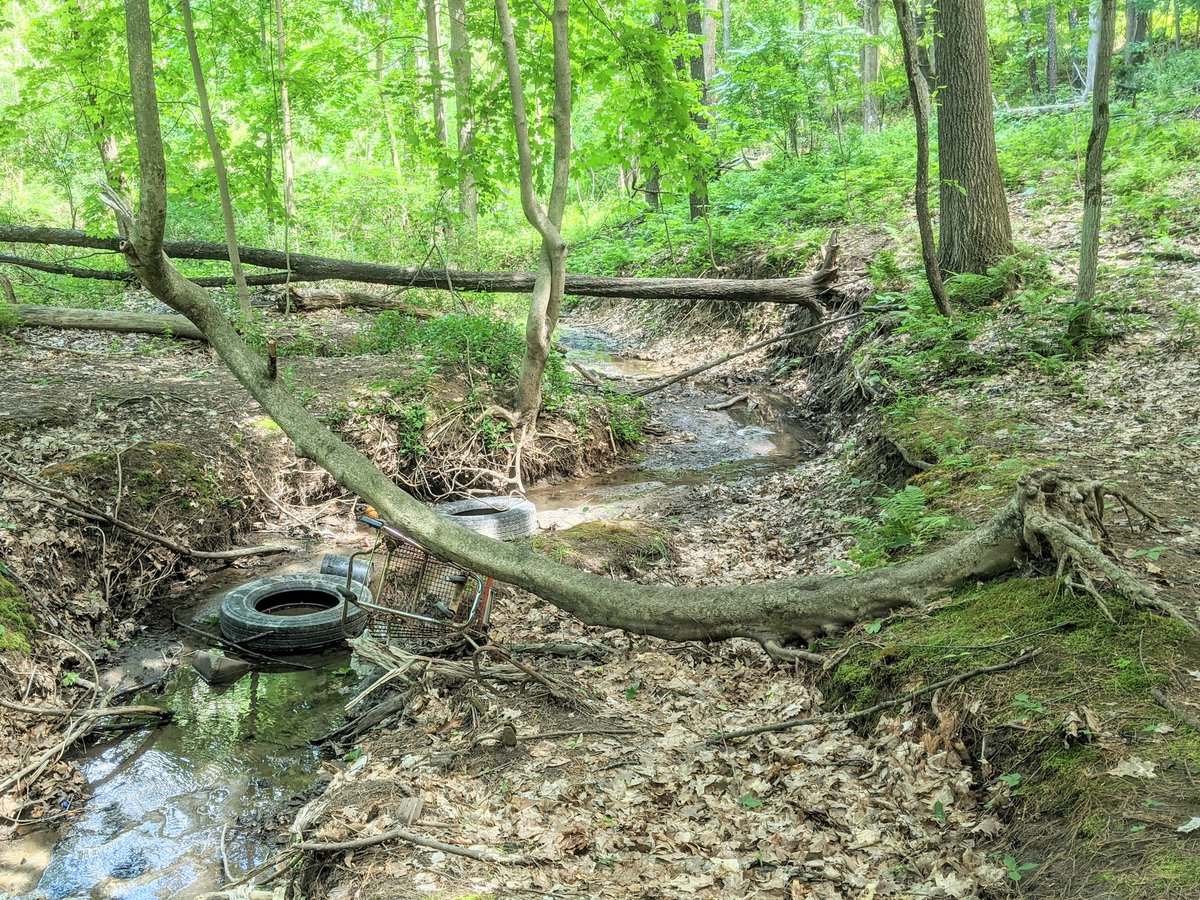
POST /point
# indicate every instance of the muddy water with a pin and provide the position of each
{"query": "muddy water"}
(160, 797)
(758, 435)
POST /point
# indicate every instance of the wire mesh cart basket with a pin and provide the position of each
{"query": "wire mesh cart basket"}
(420, 602)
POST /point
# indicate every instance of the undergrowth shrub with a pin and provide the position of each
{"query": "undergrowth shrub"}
(904, 522)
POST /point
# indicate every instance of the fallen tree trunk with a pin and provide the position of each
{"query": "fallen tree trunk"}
(128, 277)
(292, 298)
(806, 290)
(107, 320)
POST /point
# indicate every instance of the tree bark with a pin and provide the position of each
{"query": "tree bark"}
(1078, 77)
(975, 228)
(712, 11)
(285, 107)
(726, 27)
(1093, 182)
(789, 611)
(933, 272)
(380, 84)
(1095, 19)
(214, 146)
(872, 121)
(106, 320)
(698, 195)
(1136, 25)
(1031, 62)
(290, 298)
(434, 37)
(1052, 52)
(460, 59)
(548, 286)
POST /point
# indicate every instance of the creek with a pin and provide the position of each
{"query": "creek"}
(162, 802)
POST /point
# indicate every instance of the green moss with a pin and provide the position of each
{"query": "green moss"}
(604, 547)
(16, 623)
(1067, 805)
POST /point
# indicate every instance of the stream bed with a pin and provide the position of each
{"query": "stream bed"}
(163, 801)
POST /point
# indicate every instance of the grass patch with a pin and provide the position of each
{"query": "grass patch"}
(607, 548)
(16, 622)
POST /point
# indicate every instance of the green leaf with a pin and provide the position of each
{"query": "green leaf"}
(751, 802)
(353, 755)
(875, 627)
(632, 691)
(939, 812)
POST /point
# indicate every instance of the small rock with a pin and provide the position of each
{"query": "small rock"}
(218, 669)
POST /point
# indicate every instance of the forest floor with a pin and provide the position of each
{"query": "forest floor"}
(1061, 778)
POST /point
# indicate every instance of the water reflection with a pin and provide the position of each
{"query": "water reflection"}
(229, 759)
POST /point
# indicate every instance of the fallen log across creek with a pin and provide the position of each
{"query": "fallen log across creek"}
(805, 290)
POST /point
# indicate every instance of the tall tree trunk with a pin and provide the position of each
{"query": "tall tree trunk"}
(1052, 52)
(1093, 194)
(926, 50)
(380, 84)
(726, 27)
(1136, 25)
(1031, 61)
(1077, 75)
(975, 229)
(551, 277)
(920, 101)
(698, 195)
(433, 33)
(268, 53)
(1095, 20)
(712, 10)
(1177, 17)
(460, 60)
(285, 110)
(872, 121)
(214, 146)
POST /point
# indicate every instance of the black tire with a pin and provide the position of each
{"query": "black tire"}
(256, 615)
(502, 518)
(333, 564)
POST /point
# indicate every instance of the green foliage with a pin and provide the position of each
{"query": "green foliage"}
(904, 522)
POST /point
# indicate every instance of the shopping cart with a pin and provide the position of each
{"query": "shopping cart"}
(419, 602)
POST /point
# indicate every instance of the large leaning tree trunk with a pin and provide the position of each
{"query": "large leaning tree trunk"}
(1052, 515)
(1093, 180)
(975, 229)
(920, 103)
(550, 283)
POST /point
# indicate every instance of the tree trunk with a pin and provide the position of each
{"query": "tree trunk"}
(1095, 18)
(975, 229)
(1078, 77)
(433, 33)
(1093, 193)
(726, 28)
(285, 109)
(1051, 514)
(933, 272)
(872, 121)
(1031, 61)
(460, 59)
(926, 51)
(214, 146)
(1177, 21)
(384, 109)
(1051, 52)
(712, 10)
(804, 290)
(294, 299)
(549, 284)
(698, 195)
(1136, 25)
(106, 320)
(654, 189)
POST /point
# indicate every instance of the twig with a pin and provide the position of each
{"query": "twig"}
(591, 377)
(863, 713)
(732, 401)
(85, 510)
(1174, 708)
(236, 646)
(94, 713)
(224, 855)
(675, 379)
(399, 834)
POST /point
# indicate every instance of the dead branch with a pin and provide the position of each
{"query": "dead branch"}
(99, 712)
(400, 834)
(1175, 709)
(835, 718)
(78, 507)
(675, 379)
